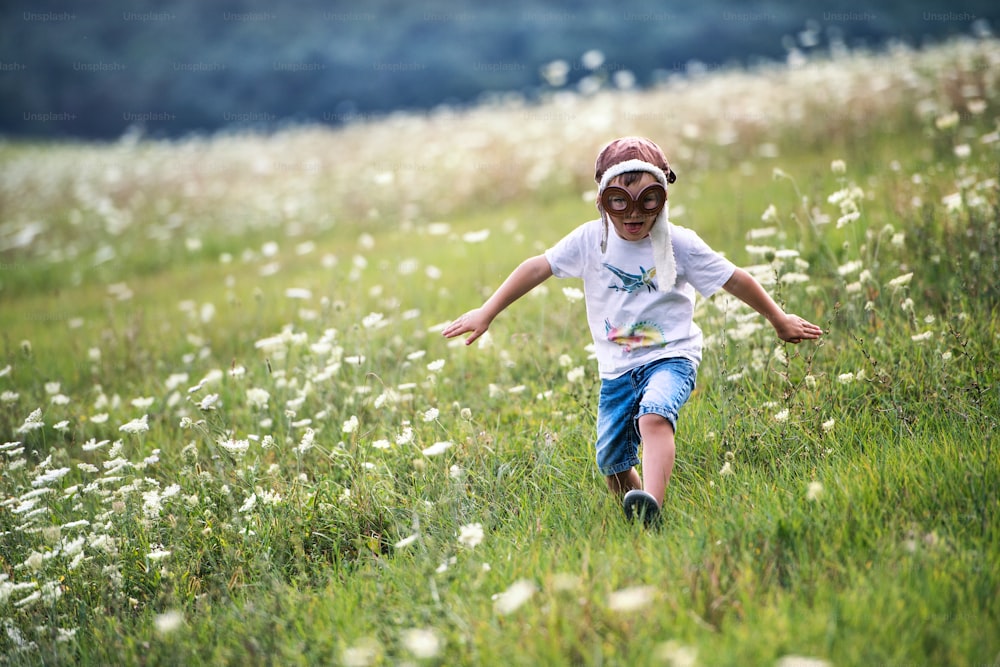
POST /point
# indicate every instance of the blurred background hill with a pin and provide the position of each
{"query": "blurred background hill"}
(169, 68)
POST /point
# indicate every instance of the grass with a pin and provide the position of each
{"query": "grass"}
(398, 498)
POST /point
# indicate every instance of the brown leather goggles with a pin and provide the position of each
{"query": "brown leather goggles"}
(619, 201)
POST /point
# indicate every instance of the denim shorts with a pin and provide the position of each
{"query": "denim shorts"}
(660, 387)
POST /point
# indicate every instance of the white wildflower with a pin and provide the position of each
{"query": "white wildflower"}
(406, 541)
(901, 281)
(49, 477)
(28, 600)
(850, 267)
(423, 643)
(761, 250)
(631, 599)
(443, 567)
(675, 654)
(476, 237)
(208, 402)
(952, 202)
(814, 491)
(270, 497)
(793, 277)
(437, 448)
(801, 661)
(249, 503)
(350, 425)
(235, 447)
(34, 561)
(258, 397)
(362, 654)
(470, 535)
(431, 414)
(307, 441)
(175, 380)
(143, 402)
(65, 634)
(405, 437)
(169, 621)
(139, 425)
(946, 121)
(33, 422)
(514, 597)
(151, 504)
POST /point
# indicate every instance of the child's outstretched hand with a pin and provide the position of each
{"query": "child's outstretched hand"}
(476, 321)
(794, 329)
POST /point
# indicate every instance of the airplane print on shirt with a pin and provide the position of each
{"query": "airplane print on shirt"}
(630, 281)
(636, 335)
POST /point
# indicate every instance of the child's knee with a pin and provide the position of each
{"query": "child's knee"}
(652, 421)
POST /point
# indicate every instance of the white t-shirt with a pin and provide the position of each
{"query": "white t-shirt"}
(631, 321)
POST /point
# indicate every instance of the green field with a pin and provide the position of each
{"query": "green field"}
(234, 434)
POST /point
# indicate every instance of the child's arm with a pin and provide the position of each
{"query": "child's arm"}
(790, 328)
(531, 273)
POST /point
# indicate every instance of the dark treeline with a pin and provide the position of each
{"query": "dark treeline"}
(171, 67)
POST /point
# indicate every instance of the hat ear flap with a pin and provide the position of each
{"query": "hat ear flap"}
(604, 232)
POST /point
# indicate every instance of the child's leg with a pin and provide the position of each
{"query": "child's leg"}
(658, 451)
(617, 445)
(666, 387)
(624, 482)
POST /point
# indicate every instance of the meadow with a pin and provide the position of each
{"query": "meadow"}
(233, 434)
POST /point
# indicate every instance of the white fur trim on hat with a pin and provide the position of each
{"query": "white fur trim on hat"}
(659, 235)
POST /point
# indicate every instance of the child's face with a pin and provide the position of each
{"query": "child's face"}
(635, 225)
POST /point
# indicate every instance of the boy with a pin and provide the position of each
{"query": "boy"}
(639, 284)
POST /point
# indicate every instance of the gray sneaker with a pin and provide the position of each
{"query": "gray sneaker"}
(642, 506)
